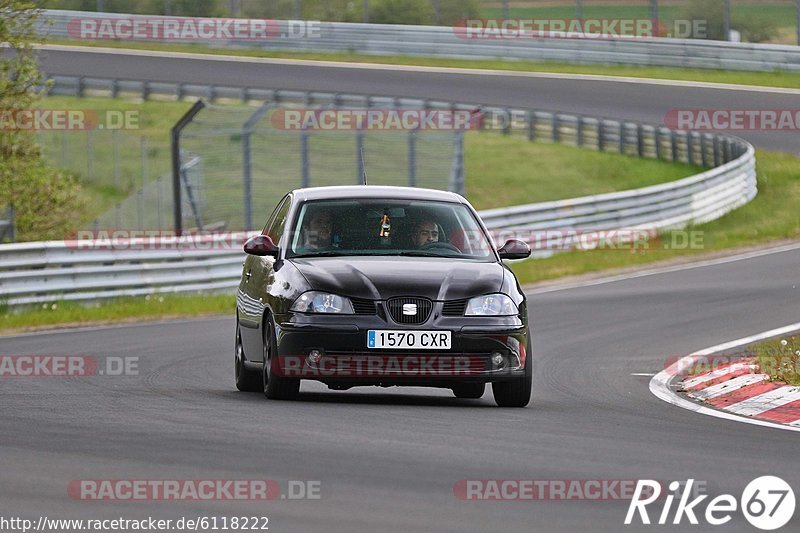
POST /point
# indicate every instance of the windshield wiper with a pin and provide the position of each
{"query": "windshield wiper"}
(419, 253)
(320, 254)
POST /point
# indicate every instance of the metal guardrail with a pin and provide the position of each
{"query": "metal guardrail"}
(438, 41)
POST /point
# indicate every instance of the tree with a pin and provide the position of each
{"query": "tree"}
(42, 197)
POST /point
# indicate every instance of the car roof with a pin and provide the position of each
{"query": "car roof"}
(375, 191)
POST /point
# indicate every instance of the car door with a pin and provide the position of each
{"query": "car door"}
(257, 276)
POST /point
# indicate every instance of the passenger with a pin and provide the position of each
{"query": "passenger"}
(425, 232)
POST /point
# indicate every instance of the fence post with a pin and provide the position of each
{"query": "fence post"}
(622, 137)
(160, 221)
(673, 140)
(703, 149)
(12, 220)
(175, 137)
(140, 208)
(360, 169)
(690, 148)
(412, 158)
(657, 141)
(601, 135)
(90, 154)
(579, 132)
(640, 140)
(306, 177)
(64, 150)
(457, 179)
(554, 135)
(247, 165)
(115, 155)
(531, 124)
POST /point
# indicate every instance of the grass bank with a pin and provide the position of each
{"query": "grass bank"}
(780, 358)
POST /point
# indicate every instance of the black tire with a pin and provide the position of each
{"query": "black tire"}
(516, 392)
(246, 380)
(471, 391)
(276, 387)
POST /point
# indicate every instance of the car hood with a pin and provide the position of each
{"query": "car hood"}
(379, 278)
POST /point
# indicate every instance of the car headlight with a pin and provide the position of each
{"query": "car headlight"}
(491, 305)
(322, 302)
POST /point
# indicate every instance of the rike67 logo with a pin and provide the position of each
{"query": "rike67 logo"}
(767, 502)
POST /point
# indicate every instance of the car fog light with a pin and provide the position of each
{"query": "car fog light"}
(497, 359)
(314, 356)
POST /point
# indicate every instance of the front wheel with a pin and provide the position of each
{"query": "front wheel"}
(246, 380)
(516, 392)
(276, 387)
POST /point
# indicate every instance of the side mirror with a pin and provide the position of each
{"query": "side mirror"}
(261, 245)
(514, 249)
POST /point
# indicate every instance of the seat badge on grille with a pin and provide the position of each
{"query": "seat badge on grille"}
(409, 309)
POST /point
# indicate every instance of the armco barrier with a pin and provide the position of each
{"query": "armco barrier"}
(437, 41)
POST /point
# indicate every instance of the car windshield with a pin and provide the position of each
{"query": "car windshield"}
(374, 227)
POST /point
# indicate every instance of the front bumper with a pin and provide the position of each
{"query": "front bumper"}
(344, 358)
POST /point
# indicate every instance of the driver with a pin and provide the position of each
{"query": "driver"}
(318, 231)
(425, 232)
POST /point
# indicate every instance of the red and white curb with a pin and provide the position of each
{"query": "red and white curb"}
(733, 391)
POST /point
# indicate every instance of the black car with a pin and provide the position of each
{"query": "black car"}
(386, 286)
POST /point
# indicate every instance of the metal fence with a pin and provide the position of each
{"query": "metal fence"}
(43, 272)
(439, 41)
(7, 228)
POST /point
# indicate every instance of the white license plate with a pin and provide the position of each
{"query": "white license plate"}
(406, 340)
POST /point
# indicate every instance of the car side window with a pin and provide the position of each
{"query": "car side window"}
(278, 223)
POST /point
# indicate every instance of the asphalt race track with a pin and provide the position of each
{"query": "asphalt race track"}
(641, 102)
(388, 459)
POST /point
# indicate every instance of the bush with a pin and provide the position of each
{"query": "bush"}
(45, 200)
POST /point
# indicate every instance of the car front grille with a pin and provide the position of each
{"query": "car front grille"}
(363, 307)
(423, 309)
(454, 307)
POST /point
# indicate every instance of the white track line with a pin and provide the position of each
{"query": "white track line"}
(714, 374)
(660, 384)
(765, 402)
(666, 270)
(415, 68)
(729, 386)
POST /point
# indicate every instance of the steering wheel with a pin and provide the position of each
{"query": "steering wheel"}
(439, 246)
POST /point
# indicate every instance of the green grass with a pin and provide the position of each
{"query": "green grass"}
(780, 358)
(102, 185)
(67, 313)
(763, 79)
(504, 170)
(766, 218)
